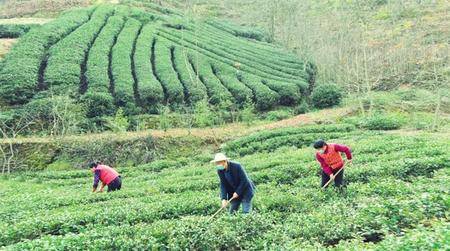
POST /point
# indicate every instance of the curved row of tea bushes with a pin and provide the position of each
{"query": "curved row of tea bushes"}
(149, 88)
(121, 66)
(98, 96)
(63, 71)
(21, 66)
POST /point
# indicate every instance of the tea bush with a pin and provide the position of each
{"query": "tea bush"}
(139, 59)
(397, 184)
(326, 95)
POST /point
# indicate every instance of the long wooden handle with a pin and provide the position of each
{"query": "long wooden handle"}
(326, 184)
(218, 211)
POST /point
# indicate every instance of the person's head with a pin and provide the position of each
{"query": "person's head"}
(220, 160)
(320, 145)
(93, 165)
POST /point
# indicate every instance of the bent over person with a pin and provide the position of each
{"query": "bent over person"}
(107, 175)
(330, 159)
(234, 184)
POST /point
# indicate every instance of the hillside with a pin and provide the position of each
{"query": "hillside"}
(118, 56)
(396, 192)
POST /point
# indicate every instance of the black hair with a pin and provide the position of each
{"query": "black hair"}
(93, 164)
(319, 144)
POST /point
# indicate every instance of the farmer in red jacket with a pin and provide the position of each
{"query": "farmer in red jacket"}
(330, 159)
(108, 176)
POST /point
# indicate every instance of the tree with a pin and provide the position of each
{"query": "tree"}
(12, 124)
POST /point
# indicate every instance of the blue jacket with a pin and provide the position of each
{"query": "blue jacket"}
(236, 181)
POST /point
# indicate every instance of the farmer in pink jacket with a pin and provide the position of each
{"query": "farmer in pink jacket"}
(330, 159)
(107, 175)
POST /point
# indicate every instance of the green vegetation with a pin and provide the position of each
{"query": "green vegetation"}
(359, 45)
(397, 184)
(150, 74)
(22, 65)
(64, 65)
(121, 62)
(166, 73)
(98, 99)
(15, 30)
(324, 96)
(115, 56)
(150, 90)
(271, 140)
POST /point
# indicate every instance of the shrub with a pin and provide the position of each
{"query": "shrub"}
(289, 92)
(294, 136)
(326, 95)
(229, 79)
(216, 91)
(121, 67)
(97, 72)
(265, 98)
(56, 115)
(278, 115)
(302, 108)
(203, 116)
(150, 90)
(15, 30)
(63, 71)
(382, 122)
(98, 104)
(164, 120)
(195, 90)
(118, 123)
(212, 51)
(59, 165)
(248, 113)
(19, 74)
(166, 73)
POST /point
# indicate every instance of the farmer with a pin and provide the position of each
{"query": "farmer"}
(330, 159)
(108, 176)
(234, 184)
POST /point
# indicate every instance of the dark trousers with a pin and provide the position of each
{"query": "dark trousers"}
(116, 184)
(246, 205)
(338, 179)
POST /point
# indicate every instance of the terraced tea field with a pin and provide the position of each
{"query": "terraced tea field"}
(396, 198)
(111, 56)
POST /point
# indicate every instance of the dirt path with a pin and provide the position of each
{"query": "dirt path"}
(224, 132)
(25, 20)
(5, 45)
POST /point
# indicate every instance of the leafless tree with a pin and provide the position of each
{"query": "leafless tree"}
(9, 132)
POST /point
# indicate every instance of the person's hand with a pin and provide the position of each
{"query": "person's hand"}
(331, 176)
(224, 203)
(235, 196)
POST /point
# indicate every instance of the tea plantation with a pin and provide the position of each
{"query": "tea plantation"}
(396, 197)
(111, 56)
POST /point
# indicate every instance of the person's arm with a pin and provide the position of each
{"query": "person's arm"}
(96, 180)
(243, 180)
(344, 149)
(101, 187)
(325, 167)
(223, 190)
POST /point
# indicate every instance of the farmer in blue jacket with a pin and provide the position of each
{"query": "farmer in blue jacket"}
(234, 184)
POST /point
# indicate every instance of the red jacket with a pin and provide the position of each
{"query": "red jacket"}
(106, 174)
(339, 148)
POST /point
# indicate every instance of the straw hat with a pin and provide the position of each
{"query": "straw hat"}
(219, 157)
